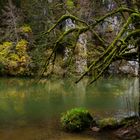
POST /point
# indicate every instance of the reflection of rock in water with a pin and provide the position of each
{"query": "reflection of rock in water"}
(81, 91)
(75, 91)
(131, 97)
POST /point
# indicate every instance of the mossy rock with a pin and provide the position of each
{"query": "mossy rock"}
(107, 123)
(76, 119)
(129, 121)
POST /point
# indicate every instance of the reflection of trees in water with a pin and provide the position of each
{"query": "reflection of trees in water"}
(52, 97)
(131, 97)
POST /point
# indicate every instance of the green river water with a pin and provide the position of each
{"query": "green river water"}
(31, 111)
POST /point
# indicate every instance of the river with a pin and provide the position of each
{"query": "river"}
(30, 111)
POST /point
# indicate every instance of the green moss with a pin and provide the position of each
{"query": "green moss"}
(128, 121)
(107, 123)
(76, 119)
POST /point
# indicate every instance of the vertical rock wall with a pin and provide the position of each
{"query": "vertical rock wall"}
(81, 54)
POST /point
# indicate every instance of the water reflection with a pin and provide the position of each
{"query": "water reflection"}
(37, 107)
(132, 97)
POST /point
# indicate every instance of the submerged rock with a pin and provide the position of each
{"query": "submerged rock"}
(95, 129)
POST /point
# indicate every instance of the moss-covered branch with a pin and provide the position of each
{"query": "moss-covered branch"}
(130, 56)
(79, 30)
(105, 67)
(63, 18)
(117, 46)
(105, 57)
(102, 41)
(119, 10)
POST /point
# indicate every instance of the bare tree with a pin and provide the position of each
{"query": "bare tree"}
(11, 18)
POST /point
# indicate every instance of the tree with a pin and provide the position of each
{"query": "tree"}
(117, 49)
(11, 19)
(114, 51)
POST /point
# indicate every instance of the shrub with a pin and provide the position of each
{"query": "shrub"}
(14, 60)
(76, 119)
(26, 29)
(21, 46)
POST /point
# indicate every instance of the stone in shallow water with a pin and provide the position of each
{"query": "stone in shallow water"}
(95, 129)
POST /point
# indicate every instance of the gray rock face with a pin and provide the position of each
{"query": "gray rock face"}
(131, 67)
(81, 54)
(81, 49)
(124, 67)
